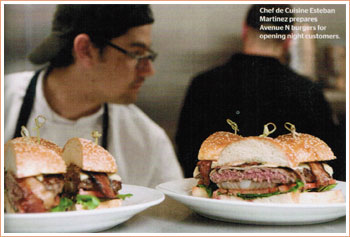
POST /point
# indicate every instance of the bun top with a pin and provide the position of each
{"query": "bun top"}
(306, 147)
(88, 156)
(264, 150)
(24, 157)
(212, 147)
(228, 149)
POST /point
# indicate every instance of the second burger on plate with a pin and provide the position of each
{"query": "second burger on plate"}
(288, 169)
(91, 176)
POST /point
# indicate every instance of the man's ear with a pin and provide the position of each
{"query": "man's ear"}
(83, 50)
(244, 31)
(286, 44)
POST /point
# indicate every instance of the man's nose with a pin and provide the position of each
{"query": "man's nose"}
(146, 68)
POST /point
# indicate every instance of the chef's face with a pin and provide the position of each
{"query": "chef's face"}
(120, 76)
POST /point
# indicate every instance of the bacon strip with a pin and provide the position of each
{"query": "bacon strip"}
(322, 177)
(204, 167)
(31, 204)
(103, 184)
(93, 193)
(21, 197)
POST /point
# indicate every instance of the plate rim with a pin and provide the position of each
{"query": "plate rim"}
(244, 203)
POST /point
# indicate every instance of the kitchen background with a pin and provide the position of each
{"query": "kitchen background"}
(191, 38)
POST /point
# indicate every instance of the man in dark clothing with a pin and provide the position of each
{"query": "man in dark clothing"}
(253, 89)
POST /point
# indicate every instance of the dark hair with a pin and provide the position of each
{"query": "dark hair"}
(64, 56)
(101, 22)
(257, 14)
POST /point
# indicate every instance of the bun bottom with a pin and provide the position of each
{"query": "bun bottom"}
(106, 204)
(333, 196)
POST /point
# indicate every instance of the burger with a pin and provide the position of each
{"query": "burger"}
(288, 169)
(91, 179)
(33, 175)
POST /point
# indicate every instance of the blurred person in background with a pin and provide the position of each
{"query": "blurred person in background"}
(97, 58)
(253, 88)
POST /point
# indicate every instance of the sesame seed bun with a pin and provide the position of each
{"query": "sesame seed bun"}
(264, 150)
(228, 149)
(25, 157)
(212, 147)
(306, 148)
(88, 156)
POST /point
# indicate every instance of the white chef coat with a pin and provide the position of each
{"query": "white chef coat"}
(142, 150)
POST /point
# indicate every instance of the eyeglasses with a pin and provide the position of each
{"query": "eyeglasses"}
(150, 56)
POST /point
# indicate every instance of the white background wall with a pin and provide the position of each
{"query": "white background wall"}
(189, 38)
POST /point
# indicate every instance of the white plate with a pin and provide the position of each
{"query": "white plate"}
(253, 213)
(85, 221)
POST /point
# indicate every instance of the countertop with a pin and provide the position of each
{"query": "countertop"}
(171, 216)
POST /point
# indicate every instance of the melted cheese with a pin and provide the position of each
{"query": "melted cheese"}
(83, 176)
(328, 169)
(251, 166)
(114, 176)
(40, 177)
(301, 167)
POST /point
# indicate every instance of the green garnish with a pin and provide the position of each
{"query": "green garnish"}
(207, 189)
(88, 201)
(64, 205)
(124, 196)
(298, 185)
(250, 196)
(326, 188)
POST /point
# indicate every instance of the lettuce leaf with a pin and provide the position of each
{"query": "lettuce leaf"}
(124, 196)
(326, 188)
(299, 184)
(207, 189)
(65, 205)
(88, 201)
(249, 196)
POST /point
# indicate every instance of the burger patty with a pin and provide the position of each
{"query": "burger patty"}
(260, 175)
(22, 198)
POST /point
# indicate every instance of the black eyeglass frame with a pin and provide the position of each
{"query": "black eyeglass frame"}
(151, 56)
